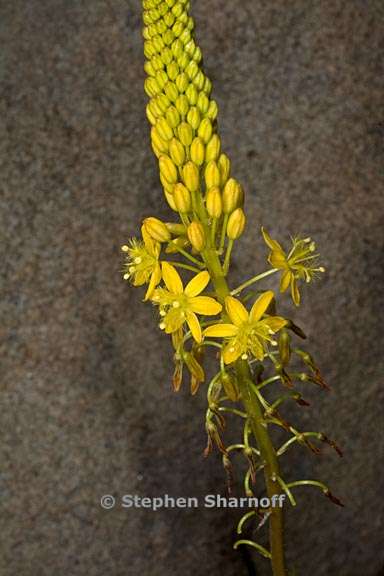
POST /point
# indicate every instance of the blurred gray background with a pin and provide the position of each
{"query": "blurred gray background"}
(86, 402)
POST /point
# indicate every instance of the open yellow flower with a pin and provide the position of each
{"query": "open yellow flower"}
(179, 305)
(249, 331)
(142, 264)
(299, 264)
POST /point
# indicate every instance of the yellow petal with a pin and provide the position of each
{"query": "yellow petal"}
(154, 281)
(257, 349)
(221, 331)
(236, 311)
(204, 305)
(275, 323)
(285, 280)
(277, 259)
(152, 247)
(295, 291)
(171, 278)
(261, 305)
(194, 326)
(273, 244)
(197, 284)
(232, 351)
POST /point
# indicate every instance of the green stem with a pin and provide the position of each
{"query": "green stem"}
(187, 255)
(253, 409)
(228, 257)
(185, 266)
(253, 280)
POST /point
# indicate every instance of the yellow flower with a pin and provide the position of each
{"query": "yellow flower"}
(179, 305)
(249, 331)
(299, 264)
(142, 264)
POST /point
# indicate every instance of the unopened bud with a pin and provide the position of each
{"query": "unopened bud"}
(185, 132)
(196, 235)
(193, 117)
(164, 129)
(203, 103)
(213, 149)
(182, 198)
(182, 105)
(157, 229)
(214, 202)
(236, 224)
(173, 117)
(225, 168)
(171, 91)
(170, 200)
(232, 195)
(205, 130)
(175, 228)
(192, 94)
(284, 347)
(212, 175)
(168, 169)
(197, 151)
(173, 70)
(177, 152)
(191, 176)
(182, 82)
(158, 142)
(212, 110)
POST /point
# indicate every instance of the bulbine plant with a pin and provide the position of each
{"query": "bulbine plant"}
(185, 266)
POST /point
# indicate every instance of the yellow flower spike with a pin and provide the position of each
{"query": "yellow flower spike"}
(249, 333)
(299, 264)
(236, 224)
(205, 130)
(236, 310)
(179, 306)
(214, 202)
(197, 151)
(157, 230)
(168, 169)
(232, 195)
(185, 132)
(213, 151)
(212, 175)
(191, 176)
(196, 235)
(182, 198)
(177, 152)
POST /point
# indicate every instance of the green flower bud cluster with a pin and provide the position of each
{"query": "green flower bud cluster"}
(183, 116)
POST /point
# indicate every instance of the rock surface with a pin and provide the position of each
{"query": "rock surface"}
(86, 403)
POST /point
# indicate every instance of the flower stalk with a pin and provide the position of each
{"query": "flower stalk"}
(203, 313)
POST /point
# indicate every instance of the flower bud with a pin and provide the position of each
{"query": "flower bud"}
(214, 203)
(193, 117)
(173, 70)
(171, 91)
(157, 229)
(176, 229)
(160, 144)
(197, 151)
(191, 176)
(177, 152)
(199, 80)
(192, 94)
(182, 105)
(203, 103)
(213, 149)
(182, 198)
(173, 117)
(284, 347)
(163, 102)
(183, 61)
(236, 224)
(212, 175)
(225, 168)
(151, 87)
(192, 69)
(182, 82)
(212, 110)
(205, 130)
(168, 186)
(164, 130)
(185, 132)
(151, 117)
(232, 195)
(166, 56)
(177, 48)
(161, 78)
(168, 169)
(196, 235)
